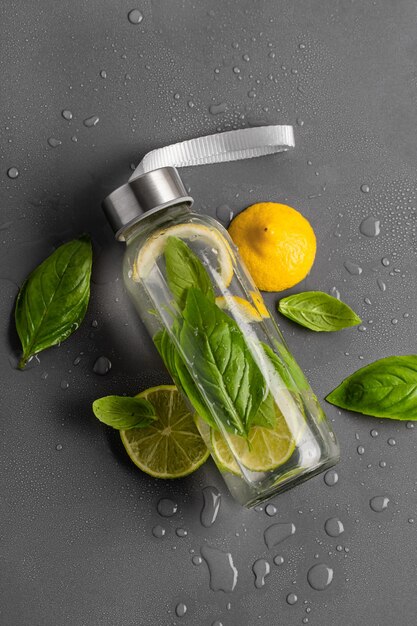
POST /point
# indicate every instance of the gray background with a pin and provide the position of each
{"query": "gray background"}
(76, 543)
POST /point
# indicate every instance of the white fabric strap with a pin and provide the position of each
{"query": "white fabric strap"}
(233, 145)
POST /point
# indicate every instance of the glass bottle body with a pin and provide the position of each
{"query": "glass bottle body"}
(254, 408)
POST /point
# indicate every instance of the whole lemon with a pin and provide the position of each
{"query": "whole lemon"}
(277, 244)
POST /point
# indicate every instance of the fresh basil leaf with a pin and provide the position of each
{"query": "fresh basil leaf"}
(318, 311)
(180, 374)
(233, 384)
(385, 388)
(184, 270)
(266, 415)
(123, 413)
(53, 300)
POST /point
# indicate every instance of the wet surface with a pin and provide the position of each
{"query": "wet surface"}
(87, 90)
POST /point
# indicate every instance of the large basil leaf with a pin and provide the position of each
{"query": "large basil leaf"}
(385, 388)
(214, 344)
(180, 374)
(318, 311)
(53, 300)
(184, 270)
(123, 413)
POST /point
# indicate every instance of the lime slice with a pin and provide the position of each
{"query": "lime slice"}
(264, 450)
(239, 307)
(209, 237)
(171, 446)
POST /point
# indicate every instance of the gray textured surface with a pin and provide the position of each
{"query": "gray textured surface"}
(76, 543)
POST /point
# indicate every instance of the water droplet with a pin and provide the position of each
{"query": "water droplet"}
(93, 120)
(135, 16)
(352, 268)
(166, 507)
(385, 262)
(374, 433)
(277, 533)
(252, 93)
(261, 569)
(411, 520)
(66, 114)
(391, 441)
(211, 506)
(360, 450)
(74, 138)
(246, 58)
(302, 46)
(382, 464)
(197, 560)
(181, 609)
(54, 143)
(334, 527)
(181, 532)
(102, 366)
(292, 598)
(44, 375)
(223, 573)
(12, 172)
(216, 109)
(278, 560)
(394, 321)
(58, 446)
(320, 576)
(103, 74)
(335, 293)
(379, 503)
(361, 328)
(217, 623)
(270, 510)
(158, 531)
(370, 227)
(409, 425)
(367, 301)
(365, 188)
(381, 284)
(224, 213)
(191, 104)
(331, 477)
(64, 384)
(300, 122)
(77, 359)
(94, 323)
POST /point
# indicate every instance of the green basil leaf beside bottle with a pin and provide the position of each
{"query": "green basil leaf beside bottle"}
(318, 311)
(52, 302)
(253, 406)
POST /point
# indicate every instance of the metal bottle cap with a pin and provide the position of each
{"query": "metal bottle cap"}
(147, 193)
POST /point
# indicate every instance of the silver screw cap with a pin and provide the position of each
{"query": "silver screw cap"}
(147, 193)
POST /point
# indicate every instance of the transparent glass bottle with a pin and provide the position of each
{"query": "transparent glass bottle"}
(254, 408)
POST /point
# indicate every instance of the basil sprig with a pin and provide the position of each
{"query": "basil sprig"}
(385, 388)
(233, 387)
(318, 311)
(53, 300)
(123, 413)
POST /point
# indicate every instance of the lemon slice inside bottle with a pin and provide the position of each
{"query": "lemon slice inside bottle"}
(189, 233)
(264, 450)
(242, 308)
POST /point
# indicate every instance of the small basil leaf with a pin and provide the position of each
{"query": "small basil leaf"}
(318, 311)
(385, 388)
(53, 300)
(184, 270)
(123, 413)
(233, 384)
(266, 415)
(180, 374)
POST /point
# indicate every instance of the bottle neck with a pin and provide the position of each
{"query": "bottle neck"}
(151, 220)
